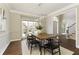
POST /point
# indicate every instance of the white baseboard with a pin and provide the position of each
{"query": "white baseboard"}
(3, 50)
(15, 40)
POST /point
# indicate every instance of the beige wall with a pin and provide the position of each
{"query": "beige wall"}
(15, 26)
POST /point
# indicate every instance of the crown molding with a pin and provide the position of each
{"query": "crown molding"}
(62, 10)
(22, 13)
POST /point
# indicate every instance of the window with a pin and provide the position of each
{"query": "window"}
(29, 26)
(2, 20)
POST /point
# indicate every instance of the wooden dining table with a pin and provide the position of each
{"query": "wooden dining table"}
(42, 37)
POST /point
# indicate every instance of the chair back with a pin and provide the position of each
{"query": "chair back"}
(53, 41)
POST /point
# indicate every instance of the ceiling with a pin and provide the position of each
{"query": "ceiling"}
(39, 9)
(71, 14)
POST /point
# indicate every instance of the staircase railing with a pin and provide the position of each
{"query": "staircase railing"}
(71, 25)
(68, 30)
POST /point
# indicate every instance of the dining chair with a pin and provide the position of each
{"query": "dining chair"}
(32, 42)
(52, 44)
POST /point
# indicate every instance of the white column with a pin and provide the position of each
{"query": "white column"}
(77, 27)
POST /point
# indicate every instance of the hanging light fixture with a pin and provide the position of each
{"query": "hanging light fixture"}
(39, 4)
(4, 17)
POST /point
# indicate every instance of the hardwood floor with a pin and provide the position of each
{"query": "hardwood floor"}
(15, 47)
(70, 44)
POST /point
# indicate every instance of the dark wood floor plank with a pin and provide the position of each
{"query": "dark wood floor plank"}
(71, 45)
(13, 49)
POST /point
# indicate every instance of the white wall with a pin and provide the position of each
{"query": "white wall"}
(49, 25)
(5, 36)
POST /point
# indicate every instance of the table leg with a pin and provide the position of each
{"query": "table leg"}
(40, 50)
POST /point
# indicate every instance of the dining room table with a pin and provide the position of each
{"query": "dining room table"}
(43, 37)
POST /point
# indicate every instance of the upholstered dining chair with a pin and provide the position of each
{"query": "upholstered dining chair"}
(52, 45)
(32, 42)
